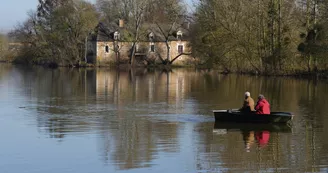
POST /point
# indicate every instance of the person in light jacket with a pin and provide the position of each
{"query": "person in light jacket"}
(248, 105)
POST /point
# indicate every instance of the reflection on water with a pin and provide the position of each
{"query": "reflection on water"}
(141, 120)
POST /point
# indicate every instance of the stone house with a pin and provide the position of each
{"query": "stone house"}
(111, 46)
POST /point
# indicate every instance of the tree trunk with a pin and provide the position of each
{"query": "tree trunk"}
(117, 52)
(86, 50)
(308, 17)
(260, 45)
(279, 35)
(168, 52)
(315, 32)
(272, 32)
(315, 65)
(133, 57)
(309, 63)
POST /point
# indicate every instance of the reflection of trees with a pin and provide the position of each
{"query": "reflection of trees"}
(58, 127)
(129, 139)
(59, 93)
(134, 143)
(228, 152)
(313, 105)
(127, 142)
(4, 70)
(227, 91)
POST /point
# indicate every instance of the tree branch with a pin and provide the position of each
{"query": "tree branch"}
(178, 57)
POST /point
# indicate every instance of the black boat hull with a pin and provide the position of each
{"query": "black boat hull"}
(240, 117)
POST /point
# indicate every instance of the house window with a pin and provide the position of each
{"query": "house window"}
(107, 49)
(152, 47)
(151, 36)
(180, 49)
(179, 35)
(116, 35)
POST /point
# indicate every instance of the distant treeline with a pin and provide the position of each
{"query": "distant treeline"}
(263, 36)
(3, 47)
(55, 33)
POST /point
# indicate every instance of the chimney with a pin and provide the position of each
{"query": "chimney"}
(186, 25)
(121, 23)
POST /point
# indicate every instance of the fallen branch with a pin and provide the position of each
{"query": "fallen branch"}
(178, 57)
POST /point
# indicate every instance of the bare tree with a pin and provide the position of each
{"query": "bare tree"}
(167, 17)
(135, 23)
(253, 36)
(56, 32)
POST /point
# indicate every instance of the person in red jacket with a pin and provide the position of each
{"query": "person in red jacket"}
(262, 106)
(262, 138)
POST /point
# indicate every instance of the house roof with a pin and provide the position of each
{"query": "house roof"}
(106, 32)
(161, 36)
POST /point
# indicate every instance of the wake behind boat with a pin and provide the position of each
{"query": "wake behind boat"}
(241, 117)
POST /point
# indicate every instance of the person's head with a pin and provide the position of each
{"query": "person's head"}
(247, 94)
(261, 96)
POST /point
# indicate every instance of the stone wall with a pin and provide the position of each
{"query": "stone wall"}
(184, 59)
(105, 54)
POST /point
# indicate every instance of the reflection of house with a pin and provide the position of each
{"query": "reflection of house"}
(141, 86)
(112, 45)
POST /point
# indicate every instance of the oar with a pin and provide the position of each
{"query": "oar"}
(225, 110)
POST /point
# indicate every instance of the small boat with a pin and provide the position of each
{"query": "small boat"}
(241, 117)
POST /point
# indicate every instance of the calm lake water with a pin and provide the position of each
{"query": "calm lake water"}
(140, 121)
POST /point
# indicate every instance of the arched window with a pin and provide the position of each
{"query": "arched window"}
(180, 49)
(152, 47)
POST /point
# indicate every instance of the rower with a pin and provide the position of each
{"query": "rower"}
(248, 105)
(262, 106)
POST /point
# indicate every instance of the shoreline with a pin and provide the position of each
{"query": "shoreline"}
(321, 74)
